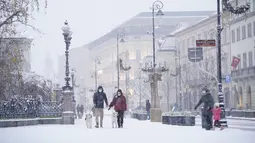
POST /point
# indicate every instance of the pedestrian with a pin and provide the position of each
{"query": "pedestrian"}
(208, 101)
(98, 100)
(148, 108)
(120, 106)
(78, 110)
(216, 115)
(82, 110)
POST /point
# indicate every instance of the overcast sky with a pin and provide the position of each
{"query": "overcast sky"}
(90, 19)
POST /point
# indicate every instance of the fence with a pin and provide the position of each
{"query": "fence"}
(30, 109)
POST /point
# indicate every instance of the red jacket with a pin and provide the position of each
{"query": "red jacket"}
(119, 103)
(216, 113)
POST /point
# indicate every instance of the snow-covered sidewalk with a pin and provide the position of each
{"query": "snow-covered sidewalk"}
(133, 131)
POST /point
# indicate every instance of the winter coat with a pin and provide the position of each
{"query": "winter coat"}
(208, 101)
(99, 98)
(148, 106)
(216, 113)
(119, 103)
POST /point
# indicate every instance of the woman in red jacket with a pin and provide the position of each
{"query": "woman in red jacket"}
(120, 106)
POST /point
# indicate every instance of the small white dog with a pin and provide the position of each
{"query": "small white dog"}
(88, 120)
(114, 119)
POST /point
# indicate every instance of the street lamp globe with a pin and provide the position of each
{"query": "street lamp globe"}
(122, 40)
(66, 29)
(159, 13)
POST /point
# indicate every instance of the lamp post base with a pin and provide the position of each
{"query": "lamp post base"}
(68, 118)
(68, 114)
(155, 114)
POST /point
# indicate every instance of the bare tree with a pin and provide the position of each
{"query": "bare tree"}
(12, 14)
(208, 70)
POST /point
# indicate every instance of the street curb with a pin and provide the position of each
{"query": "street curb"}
(235, 118)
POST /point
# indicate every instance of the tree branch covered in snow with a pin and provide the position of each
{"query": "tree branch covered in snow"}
(208, 70)
(31, 85)
(12, 14)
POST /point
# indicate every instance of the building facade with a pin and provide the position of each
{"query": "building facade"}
(237, 41)
(243, 46)
(137, 45)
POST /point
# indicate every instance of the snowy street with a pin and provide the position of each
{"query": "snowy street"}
(133, 131)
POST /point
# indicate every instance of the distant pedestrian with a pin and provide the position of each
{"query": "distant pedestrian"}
(120, 106)
(98, 100)
(148, 108)
(208, 101)
(216, 115)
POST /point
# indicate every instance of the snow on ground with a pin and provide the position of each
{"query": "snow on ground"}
(133, 131)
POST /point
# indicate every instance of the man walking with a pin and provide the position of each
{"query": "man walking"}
(208, 101)
(148, 108)
(98, 100)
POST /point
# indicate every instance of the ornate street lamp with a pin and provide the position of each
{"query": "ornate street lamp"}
(67, 37)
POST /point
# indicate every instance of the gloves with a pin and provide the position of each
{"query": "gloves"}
(195, 108)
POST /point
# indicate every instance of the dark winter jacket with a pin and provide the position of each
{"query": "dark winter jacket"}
(119, 103)
(99, 98)
(148, 106)
(208, 101)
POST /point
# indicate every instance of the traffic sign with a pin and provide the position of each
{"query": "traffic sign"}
(205, 43)
(228, 79)
(195, 54)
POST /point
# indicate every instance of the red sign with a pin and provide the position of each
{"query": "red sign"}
(235, 62)
(205, 43)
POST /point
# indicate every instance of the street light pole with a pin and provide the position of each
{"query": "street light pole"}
(67, 37)
(119, 39)
(95, 75)
(227, 7)
(68, 105)
(157, 5)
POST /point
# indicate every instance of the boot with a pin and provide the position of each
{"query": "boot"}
(101, 125)
(97, 125)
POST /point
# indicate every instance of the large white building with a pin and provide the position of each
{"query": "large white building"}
(238, 39)
(137, 45)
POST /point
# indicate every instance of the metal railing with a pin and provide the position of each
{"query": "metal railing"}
(14, 109)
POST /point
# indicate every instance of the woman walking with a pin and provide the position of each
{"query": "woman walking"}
(120, 106)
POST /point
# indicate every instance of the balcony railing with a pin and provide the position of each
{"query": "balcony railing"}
(243, 74)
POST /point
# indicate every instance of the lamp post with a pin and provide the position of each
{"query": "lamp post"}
(157, 5)
(120, 39)
(155, 72)
(227, 7)
(68, 109)
(95, 72)
(67, 37)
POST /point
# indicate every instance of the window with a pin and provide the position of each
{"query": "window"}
(244, 60)
(243, 32)
(205, 35)
(193, 41)
(224, 36)
(233, 36)
(250, 59)
(249, 30)
(199, 36)
(238, 34)
(239, 65)
(138, 55)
